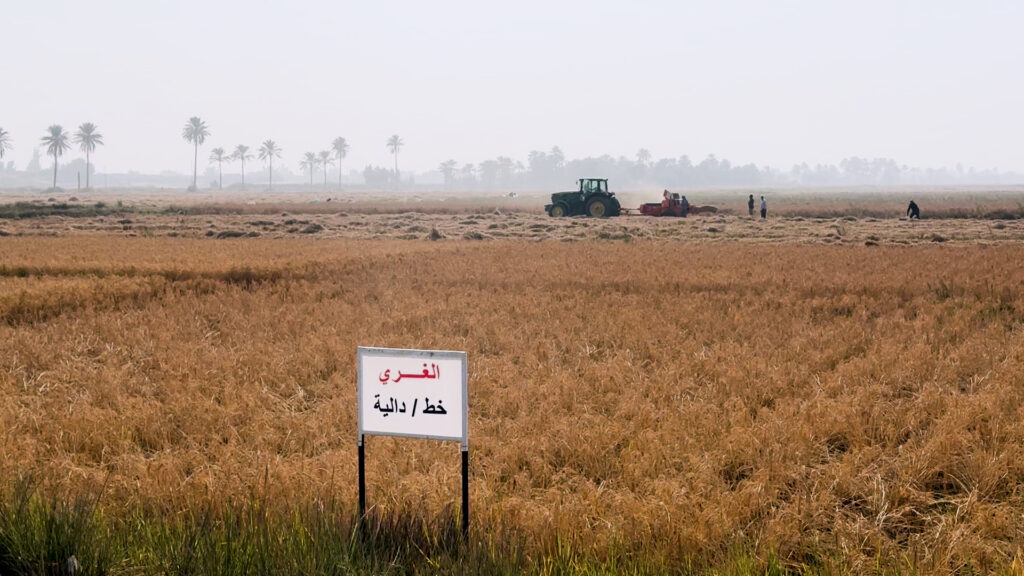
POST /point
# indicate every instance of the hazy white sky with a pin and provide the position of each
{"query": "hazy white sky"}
(928, 83)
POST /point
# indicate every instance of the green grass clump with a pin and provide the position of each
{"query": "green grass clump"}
(49, 535)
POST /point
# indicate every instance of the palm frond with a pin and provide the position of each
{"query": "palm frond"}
(87, 137)
(395, 143)
(268, 150)
(5, 142)
(195, 130)
(218, 155)
(56, 140)
(340, 147)
(241, 153)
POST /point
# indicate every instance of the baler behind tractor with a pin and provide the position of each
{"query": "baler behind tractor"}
(672, 205)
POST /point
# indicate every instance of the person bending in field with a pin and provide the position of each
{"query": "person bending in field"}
(913, 211)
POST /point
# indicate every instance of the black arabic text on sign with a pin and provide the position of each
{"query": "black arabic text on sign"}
(392, 406)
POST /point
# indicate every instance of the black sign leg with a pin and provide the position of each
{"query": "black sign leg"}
(465, 493)
(362, 481)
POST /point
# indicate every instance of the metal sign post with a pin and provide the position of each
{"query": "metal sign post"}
(415, 394)
(465, 493)
(362, 480)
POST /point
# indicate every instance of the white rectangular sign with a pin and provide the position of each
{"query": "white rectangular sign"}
(416, 393)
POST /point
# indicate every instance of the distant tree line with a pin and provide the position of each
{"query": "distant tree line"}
(545, 170)
(540, 170)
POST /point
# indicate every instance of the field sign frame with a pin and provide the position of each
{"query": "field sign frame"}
(369, 358)
(391, 397)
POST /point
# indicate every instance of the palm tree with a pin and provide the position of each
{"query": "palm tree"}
(241, 154)
(310, 162)
(5, 142)
(87, 139)
(195, 131)
(643, 157)
(340, 147)
(395, 144)
(269, 151)
(325, 161)
(219, 156)
(56, 144)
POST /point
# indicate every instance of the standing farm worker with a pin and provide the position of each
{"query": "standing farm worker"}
(750, 205)
(764, 208)
(913, 211)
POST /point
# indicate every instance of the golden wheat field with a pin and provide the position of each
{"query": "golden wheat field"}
(842, 392)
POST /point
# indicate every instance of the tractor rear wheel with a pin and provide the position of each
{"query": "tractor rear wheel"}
(557, 211)
(597, 208)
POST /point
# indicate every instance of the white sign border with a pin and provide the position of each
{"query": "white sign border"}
(362, 351)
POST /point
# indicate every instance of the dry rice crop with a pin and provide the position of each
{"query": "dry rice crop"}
(850, 407)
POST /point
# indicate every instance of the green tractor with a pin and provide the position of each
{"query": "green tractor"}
(592, 199)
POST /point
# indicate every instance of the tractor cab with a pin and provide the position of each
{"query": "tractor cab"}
(591, 185)
(591, 198)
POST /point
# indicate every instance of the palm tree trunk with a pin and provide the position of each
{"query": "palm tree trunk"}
(243, 173)
(54, 170)
(195, 165)
(325, 175)
(271, 187)
(339, 173)
(86, 168)
(220, 175)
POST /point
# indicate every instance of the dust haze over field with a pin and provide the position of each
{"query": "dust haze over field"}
(777, 85)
